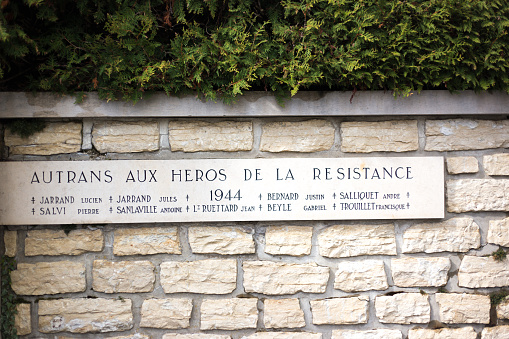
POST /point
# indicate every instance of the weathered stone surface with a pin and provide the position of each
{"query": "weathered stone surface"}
(56, 138)
(10, 240)
(456, 308)
(23, 319)
(371, 334)
(132, 336)
(460, 165)
(443, 333)
(208, 276)
(477, 195)
(353, 240)
(84, 315)
(146, 240)
(288, 240)
(229, 314)
(302, 136)
(123, 276)
(365, 275)
(202, 136)
(195, 336)
(48, 278)
(476, 272)
(497, 332)
(221, 240)
(403, 308)
(56, 242)
(126, 136)
(496, 164)
(340, 311)
(283, 313)
(420, 272)
(284, 335)
(379, 136)
(503, 309)
(273, 278)
(498, 232)
(453, 235)
(464, 134)
(166, 313)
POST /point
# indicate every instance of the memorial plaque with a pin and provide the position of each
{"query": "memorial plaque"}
(141, 191)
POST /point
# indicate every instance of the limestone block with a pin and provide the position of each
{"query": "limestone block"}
(496, 164)
(365, 275)
(283, 313)
(403, 308)
(284, 335)
(464, 134)
(498, 232)
(126, 136)
(132, 336)
(208, 276)
(453, 235)
(379, 136)
(497, 332)
(221, 240)
(123, 276)
(146, 240)
(273, 278)
(288, 240)
(443, 333)
(461, 165)
(195, 336)
(301, 136)
(371, 334)
(456, 308)
(476, 272)
(48, 278)
(477, 195)
(57, 242)
(10, 240)
(55, 138)
(503, 309)
(229, 314)
(82, 315)
(340, 311)
(353, 240)
(166, 313)
(23, 319)
(202, 136)
(420, 272)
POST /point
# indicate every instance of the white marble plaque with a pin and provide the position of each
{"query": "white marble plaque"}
(135, 191)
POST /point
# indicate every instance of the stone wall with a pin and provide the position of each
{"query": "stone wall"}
(272, 280)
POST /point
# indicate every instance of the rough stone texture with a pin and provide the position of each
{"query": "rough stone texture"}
(453, 235)
(284, 335)
(340, 311)
(10, 240)
(273, 278)
(477, 195)
(463, 134)
(420, 272)
(456, 308)
(195, 336)
(379, 136)
(56, 138)
(498, 232)
(503, 309)
(476, 272)
(146, 240)
(371, 334)
(497, 332)
(23, 319)
(166, 313)
(56, 242)
(365, 275)
(123, 276)
(443, 333)
(288, 240)
(403, 308)
(84, 315)
(302, 136)
(353, 240)
(496, 164)
(208, 276)
(202, 136)
(283, 313)
(229, 314)
(48, 278)
(460, 165)
(221, 240)
(133, 336)
(126, 136)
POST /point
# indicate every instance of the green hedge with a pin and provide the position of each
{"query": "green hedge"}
(127, 48)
